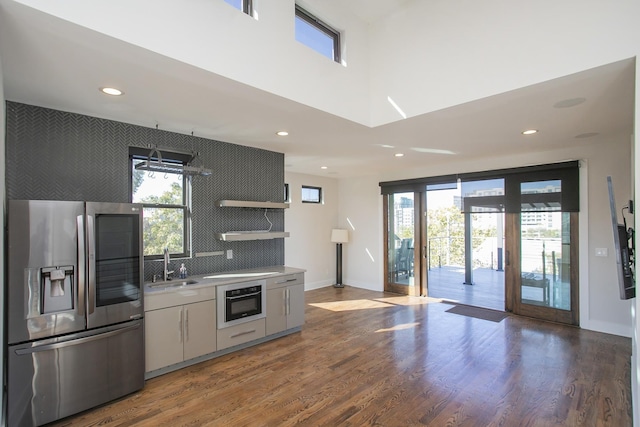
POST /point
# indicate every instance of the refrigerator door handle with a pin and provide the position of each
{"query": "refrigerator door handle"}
(82, 267)
(91, 265)
(73, 341)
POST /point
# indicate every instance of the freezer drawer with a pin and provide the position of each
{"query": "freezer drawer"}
(55, 378)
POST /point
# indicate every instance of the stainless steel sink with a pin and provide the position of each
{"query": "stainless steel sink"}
(173, 283)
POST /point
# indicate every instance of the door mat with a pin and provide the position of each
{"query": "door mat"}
(478, 313)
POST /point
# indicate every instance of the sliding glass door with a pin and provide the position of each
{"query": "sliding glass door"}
(543, 269)
(465, 236)
(401, 211)
(505, 239)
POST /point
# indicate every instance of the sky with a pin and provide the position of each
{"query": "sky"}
(155, 184)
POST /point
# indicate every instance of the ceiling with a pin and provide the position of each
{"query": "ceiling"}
(372, 10)
(65, 72)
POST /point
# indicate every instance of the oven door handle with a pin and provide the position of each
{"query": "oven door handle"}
(244, 296)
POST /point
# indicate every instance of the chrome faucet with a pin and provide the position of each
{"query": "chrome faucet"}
(166, 272)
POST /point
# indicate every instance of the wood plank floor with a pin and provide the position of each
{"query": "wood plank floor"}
(370, 358)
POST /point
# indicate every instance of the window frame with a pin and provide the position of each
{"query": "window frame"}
(247, 7)
(566, 172)
(322, 27)
(136, 154)
(311, 187)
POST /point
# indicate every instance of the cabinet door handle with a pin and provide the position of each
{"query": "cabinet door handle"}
(180, 329)
(288, 280)
(186, 323)
(287, 299)
(284, 303)
(239, 334)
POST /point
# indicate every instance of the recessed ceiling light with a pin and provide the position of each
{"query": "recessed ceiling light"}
(111, 91)
(432, 150)
(282, 133)
(399, 154)
(529, 131)
(568, 103)
(386, 146)
(323, 167)
(586, 135)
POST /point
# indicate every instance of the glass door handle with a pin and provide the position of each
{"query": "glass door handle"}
(82, 263)
(91, 264)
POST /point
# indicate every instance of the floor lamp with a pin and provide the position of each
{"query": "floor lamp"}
(339, 236)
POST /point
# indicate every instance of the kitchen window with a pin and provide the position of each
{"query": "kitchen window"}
(311, 194)
(317, 35)
(166, 205)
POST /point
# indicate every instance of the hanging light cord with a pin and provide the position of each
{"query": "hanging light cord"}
(270, 223)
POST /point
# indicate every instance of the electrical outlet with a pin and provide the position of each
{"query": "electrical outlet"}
(229, 253)
(602, 252)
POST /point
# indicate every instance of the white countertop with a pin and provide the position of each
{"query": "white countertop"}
(223, 278)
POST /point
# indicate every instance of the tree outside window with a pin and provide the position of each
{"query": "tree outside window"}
(165, 211)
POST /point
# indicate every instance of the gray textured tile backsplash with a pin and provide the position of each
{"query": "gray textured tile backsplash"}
(56, 155)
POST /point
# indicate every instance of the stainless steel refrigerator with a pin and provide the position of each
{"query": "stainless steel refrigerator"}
(74, 307)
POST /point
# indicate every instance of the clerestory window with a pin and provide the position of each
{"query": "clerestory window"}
(244, 5)
(311, 194)
(317, 35)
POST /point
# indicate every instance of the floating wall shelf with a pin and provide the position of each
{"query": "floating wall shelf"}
(252, 204)
(233, 236)
(251, 235)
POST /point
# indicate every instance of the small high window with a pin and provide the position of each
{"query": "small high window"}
(317, 35)
(311, 194)
(243, 5)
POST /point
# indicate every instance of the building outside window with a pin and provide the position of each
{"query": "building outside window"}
(311, 194)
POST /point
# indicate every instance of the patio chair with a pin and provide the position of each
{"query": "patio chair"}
(405, 258)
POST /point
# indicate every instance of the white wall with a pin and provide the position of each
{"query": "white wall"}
(426, 56)
(439, 53)
(606, 312)
(309, 245)
(262, 52)
(361, 211)
(600, 306)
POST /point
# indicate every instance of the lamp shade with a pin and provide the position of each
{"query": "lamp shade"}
(339, 236)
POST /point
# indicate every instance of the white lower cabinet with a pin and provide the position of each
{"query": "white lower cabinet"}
(179, 333)
(285, 308)
(180, 322)
(240, 334)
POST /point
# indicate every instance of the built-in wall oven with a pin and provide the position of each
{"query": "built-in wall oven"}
(241, 302)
